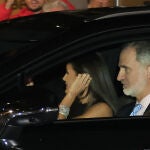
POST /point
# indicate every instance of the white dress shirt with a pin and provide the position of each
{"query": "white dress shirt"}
(144, 102)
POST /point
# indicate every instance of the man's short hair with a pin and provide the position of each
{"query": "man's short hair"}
(142, 51)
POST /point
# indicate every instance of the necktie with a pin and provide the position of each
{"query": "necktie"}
(136, 108)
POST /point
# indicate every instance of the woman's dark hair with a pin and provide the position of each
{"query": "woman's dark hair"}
(101, 86)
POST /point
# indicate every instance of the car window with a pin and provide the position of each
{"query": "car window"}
(52, 79)
(50, 76)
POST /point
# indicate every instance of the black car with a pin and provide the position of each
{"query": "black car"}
(37, 47)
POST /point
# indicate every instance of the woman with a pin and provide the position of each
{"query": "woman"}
(89, 89)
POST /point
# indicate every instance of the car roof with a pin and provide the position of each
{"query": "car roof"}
(58, 22)
(35, 28)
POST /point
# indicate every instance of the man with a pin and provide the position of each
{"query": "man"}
(32, 7)
(134, 74)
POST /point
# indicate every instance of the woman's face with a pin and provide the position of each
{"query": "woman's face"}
(69, 76)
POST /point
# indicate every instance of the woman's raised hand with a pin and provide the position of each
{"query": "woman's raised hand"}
(81, 82)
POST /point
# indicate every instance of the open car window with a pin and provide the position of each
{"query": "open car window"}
(48, 88)
(53, 79)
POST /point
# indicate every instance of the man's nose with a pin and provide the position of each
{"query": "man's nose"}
(121, 75)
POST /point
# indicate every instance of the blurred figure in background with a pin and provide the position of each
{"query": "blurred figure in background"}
(98, 3)
(32, 7)
(54, 5)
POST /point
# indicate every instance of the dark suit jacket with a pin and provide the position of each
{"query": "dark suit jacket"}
(127, 109)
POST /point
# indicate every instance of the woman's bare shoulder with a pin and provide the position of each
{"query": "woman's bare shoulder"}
(101, 109)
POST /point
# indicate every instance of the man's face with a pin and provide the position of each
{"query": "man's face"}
(132, 74)
(35, 5)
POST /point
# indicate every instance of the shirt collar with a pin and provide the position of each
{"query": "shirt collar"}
(144, 102)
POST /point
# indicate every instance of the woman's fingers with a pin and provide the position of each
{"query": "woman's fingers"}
(84, 79)
(80, 84)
